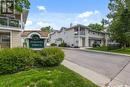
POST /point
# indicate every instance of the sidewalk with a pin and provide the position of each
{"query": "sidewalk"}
(121, 80)
(88, 74)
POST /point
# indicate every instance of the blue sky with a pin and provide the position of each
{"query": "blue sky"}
(60, 13)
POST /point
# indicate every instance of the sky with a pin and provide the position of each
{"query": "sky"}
(61, 13)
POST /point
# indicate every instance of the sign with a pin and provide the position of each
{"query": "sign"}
(36, 42)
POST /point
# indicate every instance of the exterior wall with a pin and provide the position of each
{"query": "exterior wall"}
(13, 29)
(69, 37)
(80, 40)
(66, 36)
(54, 37)
(86, 38)
(15, 39)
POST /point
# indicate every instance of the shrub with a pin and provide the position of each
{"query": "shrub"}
(63, 45)
(96, 45)
(114, 46)
(53, 44)
(15, 60)
(50, 57)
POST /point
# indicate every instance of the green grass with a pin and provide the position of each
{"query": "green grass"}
(123, 51)
(99, 48)
(47, 77)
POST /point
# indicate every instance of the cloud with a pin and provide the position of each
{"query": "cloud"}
(29, 22)
(96, 12)
(45, 24)
(88, 14)
(41, 8)
(85, 14)
(88, 17)
(58, 20)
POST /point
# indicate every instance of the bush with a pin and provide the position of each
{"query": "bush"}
(53, 44)
(96, 45)
(15, 60)
(114, 46)
(63, 45)
(50, 57)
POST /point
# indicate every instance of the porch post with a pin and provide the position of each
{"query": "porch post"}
(79, 44)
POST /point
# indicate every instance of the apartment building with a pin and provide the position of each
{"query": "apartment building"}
(11, 26)
(79, 36)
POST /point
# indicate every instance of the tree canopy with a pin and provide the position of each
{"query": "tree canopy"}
(22, 4)
(96, 26)
(48, 29)
(120, 24)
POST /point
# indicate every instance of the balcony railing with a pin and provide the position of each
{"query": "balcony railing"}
(79, 33)
(7, 22)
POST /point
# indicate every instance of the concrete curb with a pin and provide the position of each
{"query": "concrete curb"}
(111, 53)
(87, 73)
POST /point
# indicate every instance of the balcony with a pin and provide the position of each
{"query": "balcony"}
(9, 23)
(80, 33)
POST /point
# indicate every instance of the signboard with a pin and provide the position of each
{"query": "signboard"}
(36, 42)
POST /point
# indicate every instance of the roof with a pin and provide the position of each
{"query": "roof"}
(81, 26)
(86, 27)
(27, 32)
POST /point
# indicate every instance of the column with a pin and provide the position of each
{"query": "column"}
(79, 37)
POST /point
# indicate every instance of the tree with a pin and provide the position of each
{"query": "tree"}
(97, 27)
(22, 4)
(48, 29)
(120, 24)
(104, 22)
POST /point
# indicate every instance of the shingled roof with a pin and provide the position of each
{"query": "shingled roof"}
(42, 33)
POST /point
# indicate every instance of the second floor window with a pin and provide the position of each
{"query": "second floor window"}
(7, 6)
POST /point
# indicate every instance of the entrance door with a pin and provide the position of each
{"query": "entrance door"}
(83, 42)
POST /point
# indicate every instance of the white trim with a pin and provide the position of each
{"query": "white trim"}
(10, 28)
(29, 36)
(11, 41)
(21, 21)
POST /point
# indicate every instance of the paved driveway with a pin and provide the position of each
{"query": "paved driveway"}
(105, 64)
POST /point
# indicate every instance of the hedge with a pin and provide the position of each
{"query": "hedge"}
(50, 57)
(15, 60)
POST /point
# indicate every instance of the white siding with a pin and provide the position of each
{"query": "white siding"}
(69, 37)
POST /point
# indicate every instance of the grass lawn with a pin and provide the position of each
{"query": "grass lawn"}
(123, 51)
(47, 77)
(99, 48)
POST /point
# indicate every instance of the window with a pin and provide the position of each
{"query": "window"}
(5, 38)
(7, 6)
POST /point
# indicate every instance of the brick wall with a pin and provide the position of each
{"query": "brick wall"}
(16, 39)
